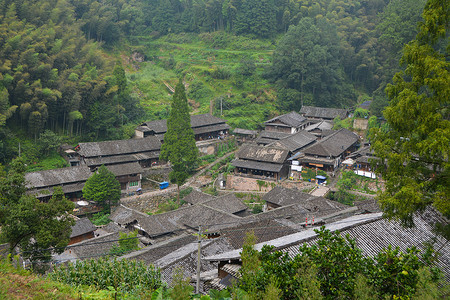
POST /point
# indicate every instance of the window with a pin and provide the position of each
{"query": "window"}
(134, 183)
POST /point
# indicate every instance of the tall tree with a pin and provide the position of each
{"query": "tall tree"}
(414, 152)
(102, 187)
(179, 143)
(32, 225)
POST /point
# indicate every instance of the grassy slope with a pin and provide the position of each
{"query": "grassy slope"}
(248, 100)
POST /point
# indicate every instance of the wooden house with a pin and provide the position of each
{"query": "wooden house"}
(288, 123)
(82, 230)
(328, 153)
(268, 137)
(71, 180)
(205, 127)
(323, 113)
(143, 151)
(261, 162)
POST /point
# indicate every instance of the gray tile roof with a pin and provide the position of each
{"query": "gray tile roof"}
(264, 230)
(197, 121)
(117, 159)
(176, 220)
(228, 203)
(371, 232)
(57, 176)
(82, 226)
(245, 131)
(118, 147)
(322, 125)
(262, 154)
(209, 218)
(283, 196)
(295, 213)
(295, 142)
(125, 169)
(292, 119)
(152, 253)
(333, 145)
(323, 112)
(256, 165)
(186, 259)
(95, 247)
(274, 135)
(196, 197)
(211, 128)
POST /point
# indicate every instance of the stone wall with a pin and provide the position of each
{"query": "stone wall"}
(146, 204)
(238, 183)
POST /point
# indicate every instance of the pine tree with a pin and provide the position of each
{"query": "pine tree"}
(179, 143)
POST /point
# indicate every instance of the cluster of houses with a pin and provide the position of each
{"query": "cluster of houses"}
(288, 144)
(169, 240)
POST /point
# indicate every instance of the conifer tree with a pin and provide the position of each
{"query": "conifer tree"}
(179, 143)
(101, 187)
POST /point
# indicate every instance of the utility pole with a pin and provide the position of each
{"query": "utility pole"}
(199, 241)
(221, 98)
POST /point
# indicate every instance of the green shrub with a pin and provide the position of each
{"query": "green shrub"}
(100, 218)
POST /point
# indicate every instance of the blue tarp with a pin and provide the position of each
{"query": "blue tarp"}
(321, 177)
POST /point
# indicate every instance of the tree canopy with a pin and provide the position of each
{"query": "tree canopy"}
(32, 225)
(179, 142)
(102, 187)
(307, 68)
(414, 151)
(335, 268)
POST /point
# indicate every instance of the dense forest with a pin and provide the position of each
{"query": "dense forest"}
(62, 66)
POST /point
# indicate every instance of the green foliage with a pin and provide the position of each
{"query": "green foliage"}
(414, 150)
(306, 67)
(33, 225)
(361, 113)
(309, 174)
(127, 243)
(102, 187)
(49, 141)
(334, 268)
(123, 276)
(181, 288)
(100, 219)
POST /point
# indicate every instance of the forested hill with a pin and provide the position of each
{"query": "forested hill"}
(277, 55)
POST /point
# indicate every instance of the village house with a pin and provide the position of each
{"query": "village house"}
(323, 113)
(143, 151)
(261, 162)
(268, 137)
(82, 230)
(320, 129)
(205, 127)
(72, 180)
(328, 153)
(288, 123)
(361, 158)
(129, 176)
(295, 142)
(244, 135)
